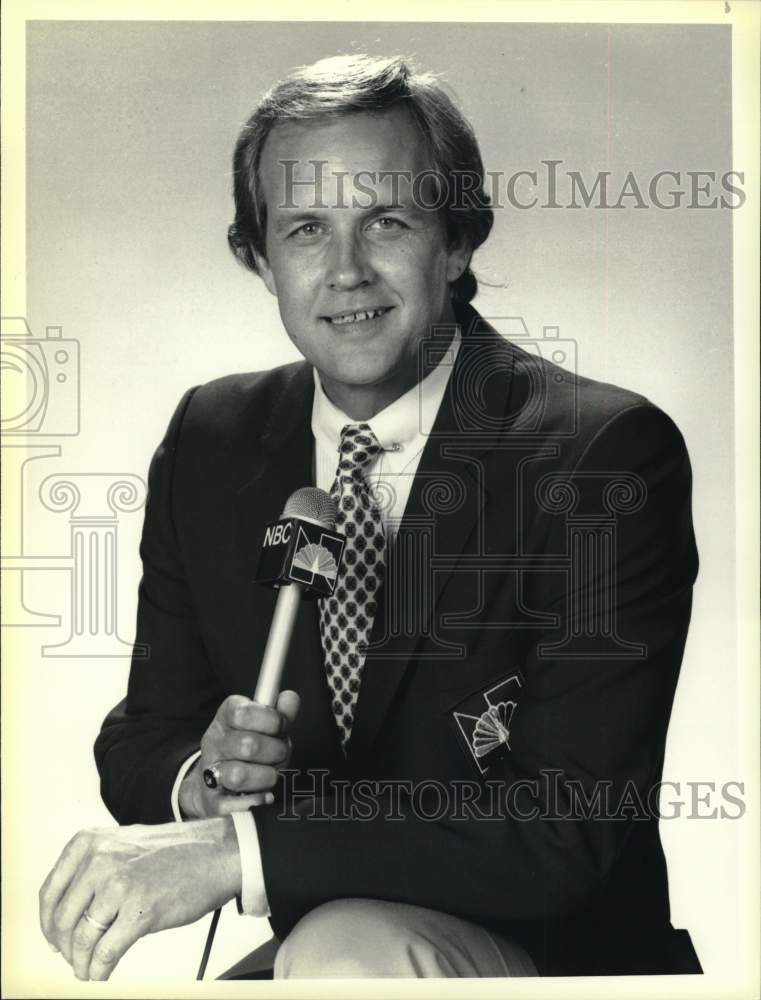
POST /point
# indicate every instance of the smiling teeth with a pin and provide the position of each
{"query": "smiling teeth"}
(357, 316)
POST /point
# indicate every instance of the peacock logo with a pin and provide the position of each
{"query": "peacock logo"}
(315, 559)
(483, 720)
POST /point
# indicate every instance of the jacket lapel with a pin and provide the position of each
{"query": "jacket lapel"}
(285, 463)
(280, 460)
(448, 496)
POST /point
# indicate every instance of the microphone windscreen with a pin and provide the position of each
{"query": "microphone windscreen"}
(311, 504)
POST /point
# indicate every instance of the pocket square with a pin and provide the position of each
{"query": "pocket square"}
(483, 719)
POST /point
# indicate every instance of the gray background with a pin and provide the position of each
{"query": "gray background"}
(130, 128)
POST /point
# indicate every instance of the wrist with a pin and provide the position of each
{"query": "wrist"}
(228, 856)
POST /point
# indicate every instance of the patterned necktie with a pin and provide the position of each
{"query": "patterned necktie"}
(346, 617)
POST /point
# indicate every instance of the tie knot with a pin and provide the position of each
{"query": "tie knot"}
(358, 448)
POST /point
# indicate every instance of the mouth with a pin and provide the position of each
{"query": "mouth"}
(358, 316)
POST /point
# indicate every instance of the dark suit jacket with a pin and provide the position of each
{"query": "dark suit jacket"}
(560, 547)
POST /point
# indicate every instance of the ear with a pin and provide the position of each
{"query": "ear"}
(458, 258)
(265, 273)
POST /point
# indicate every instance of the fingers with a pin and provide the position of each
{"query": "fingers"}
(253, 747)
(238, 776)
(131, 881)
(87, 935)
(238, 712)
(248, 732)
(66, 895)
(68, 915)
(288, 704)
(112, 945)
(247, 744)
(57, 882)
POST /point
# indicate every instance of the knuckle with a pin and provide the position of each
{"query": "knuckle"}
(264, 719)
(118, 885)
(98, 849)
(62, 921)
(249, 747)
(276, 722)
(80, 939)
(246, 716)
(235, 707)
(215, 731)
(235, 775)
(100, 867)
(98, 842)
(105, 954)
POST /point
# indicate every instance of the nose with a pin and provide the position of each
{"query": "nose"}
(348, 265)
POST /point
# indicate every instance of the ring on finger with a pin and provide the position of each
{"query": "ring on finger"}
(211, 776)
(95, 923)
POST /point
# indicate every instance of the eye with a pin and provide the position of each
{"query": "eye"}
(309, 229)
(388, 223)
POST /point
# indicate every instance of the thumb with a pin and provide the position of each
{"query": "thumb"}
(288, 703)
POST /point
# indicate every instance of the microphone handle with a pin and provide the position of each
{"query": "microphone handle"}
(267, 690)
(278, 641)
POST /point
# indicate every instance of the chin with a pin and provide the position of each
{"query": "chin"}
(361, 380)
(363, 374)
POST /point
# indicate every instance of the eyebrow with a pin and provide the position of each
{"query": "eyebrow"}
(389, 206)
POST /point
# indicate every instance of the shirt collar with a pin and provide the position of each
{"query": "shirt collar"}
(402, 422)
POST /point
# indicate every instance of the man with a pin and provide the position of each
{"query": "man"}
(460, 776)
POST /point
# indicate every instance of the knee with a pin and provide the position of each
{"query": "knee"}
(352, 938)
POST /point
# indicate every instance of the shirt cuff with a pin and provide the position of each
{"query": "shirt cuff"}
(186, 766)
(253, 897)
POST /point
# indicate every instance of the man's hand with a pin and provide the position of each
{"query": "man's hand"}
(135, 880)
(248, 743)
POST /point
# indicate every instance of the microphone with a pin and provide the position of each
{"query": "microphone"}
(300, 556)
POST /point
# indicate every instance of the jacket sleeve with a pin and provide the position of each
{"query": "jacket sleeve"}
(172, 692)
(600, 721)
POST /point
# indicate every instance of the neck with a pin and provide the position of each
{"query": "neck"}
(363, 402)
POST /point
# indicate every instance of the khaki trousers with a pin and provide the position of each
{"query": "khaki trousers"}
(358, 938)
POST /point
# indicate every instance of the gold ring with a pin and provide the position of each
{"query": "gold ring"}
(96, 923)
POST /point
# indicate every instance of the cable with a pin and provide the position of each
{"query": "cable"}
(209, 942)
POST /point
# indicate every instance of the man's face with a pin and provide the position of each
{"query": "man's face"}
(358, 285)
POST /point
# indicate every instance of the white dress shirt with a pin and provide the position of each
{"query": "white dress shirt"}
(402, 429)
